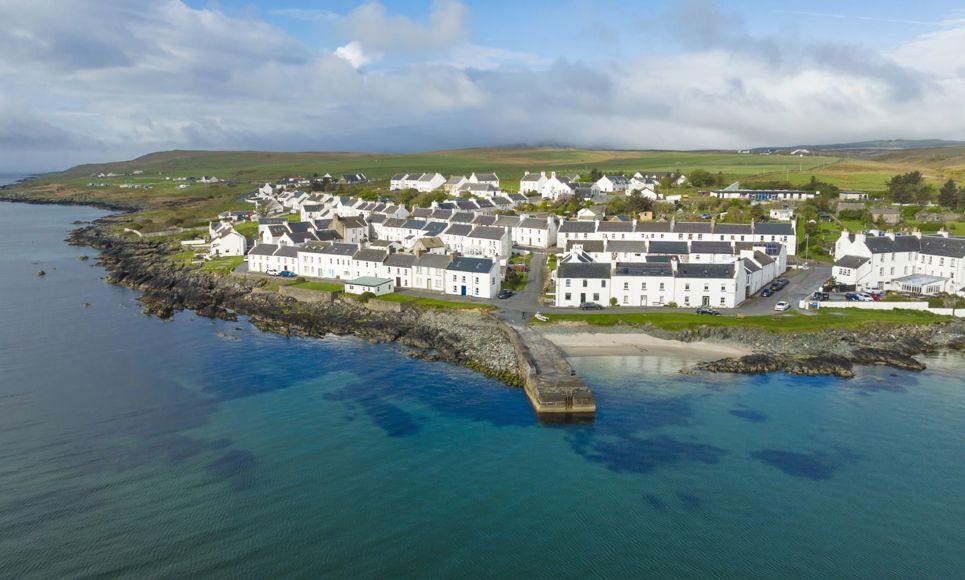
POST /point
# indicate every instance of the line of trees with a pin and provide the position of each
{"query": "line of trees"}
(911, 188)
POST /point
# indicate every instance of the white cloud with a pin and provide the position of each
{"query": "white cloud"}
(162, 75)
(354, 54)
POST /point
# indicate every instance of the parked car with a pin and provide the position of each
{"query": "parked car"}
(286, 274)
(821, 296)
(590, 306)
(779, 284)
(851, 296)
(707, 310)
(766, 292)
(864, 297)
(504, 293)
(876, 296)
(271, 272)
(782, 306)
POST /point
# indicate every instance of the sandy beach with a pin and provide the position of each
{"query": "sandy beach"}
(577, 344)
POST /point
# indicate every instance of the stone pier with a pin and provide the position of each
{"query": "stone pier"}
(551, 384)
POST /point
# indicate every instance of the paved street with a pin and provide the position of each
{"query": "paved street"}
(524, 304)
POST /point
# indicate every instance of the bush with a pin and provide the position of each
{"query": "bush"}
(366, 296)
(613, 301)
(671, 304)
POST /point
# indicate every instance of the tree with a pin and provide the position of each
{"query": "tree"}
(948, 195)
(906, 187)
(595, 175)
(702, 178)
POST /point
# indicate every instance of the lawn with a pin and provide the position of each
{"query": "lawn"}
(223, 264)
(431, 302)
(248, 229)
(320, 286)
(788, 322)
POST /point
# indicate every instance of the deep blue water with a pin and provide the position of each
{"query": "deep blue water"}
(139, 448)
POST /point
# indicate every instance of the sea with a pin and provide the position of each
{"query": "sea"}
(132, 447)
(8, 178)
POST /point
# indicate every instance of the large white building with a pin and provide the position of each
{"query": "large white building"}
(476, 277)
(757, 232)
(907, 263)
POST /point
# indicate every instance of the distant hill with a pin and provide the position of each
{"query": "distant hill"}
(866, 148)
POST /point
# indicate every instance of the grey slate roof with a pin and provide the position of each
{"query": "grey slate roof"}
(487, 233)
(341, 249)
(941, 246)
(595, 246)
(400, 260)
(534, 224)
(287, 252)
(458, 230)
(507, 221)
(733, 229)
(763, 259)
(653, 227)
(711, 248)
(433, 261)
(393, 223)
(571, 227)
(583, 270)
(370, 255)
(263, 250)
(434, 228)
(462, 217)
(660, 247)
(414, 225)
(705, 271)
(693, 227)
(643, 269)
(774, 229)
(635, 246)
(852, 262)
(615, 226)
(484, 220)
(475, 265)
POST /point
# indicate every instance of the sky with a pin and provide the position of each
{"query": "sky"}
(101, 80)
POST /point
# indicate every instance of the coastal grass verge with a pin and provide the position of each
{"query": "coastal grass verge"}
(227, 264)
(786, 322)
(319, 286)
(430, 302)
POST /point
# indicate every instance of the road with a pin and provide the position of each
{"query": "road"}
(524, 304)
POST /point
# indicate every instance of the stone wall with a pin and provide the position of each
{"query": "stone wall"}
(306, 295)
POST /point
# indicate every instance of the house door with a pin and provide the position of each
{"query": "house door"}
(643, 301)
(463, 290)
(706, 301)
(398, 282)
(582, 297)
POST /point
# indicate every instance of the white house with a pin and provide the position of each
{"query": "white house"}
(398, 268)
(489, 242)
(336, 261)
(555, 188)
(429, 271)
(454, 183)
(535, 232)
(853, 196)
(532, 182)
(476, 277)
(368, 262)
(373, 284)
(613, 183)
(910, 263)
(228, 242)
(485, 178)
(429, 182)
(784, 214)
(581, 282)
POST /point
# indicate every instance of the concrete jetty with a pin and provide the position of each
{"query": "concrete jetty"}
(551, 384)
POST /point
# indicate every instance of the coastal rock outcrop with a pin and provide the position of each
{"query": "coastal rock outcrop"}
(471, 338)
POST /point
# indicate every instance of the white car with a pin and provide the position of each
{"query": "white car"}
(782, 306)
(271, 272)
(865, 297)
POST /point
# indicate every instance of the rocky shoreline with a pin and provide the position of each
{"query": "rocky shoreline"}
(470, 338)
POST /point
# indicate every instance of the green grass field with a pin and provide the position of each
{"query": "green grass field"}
(319, 286)
(787, 322)
(223, 264)
(430, 302)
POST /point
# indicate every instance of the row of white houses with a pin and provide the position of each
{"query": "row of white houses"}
(721, 281)
(913, 263)
(784, 233)
(444, 273)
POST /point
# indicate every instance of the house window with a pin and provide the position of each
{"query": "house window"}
(706, 287)
(567, 283)
(626, 285)
(603, 284)
(687, 287)
(722, 301)
(596, 297)
(643, 285)
(686, 300)
(585, 283)
(567, 296)
(661, 287)
(626, 299)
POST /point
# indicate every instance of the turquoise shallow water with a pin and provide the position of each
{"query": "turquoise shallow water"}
(138, 448)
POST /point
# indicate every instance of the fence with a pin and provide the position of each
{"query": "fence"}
(919, 306)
